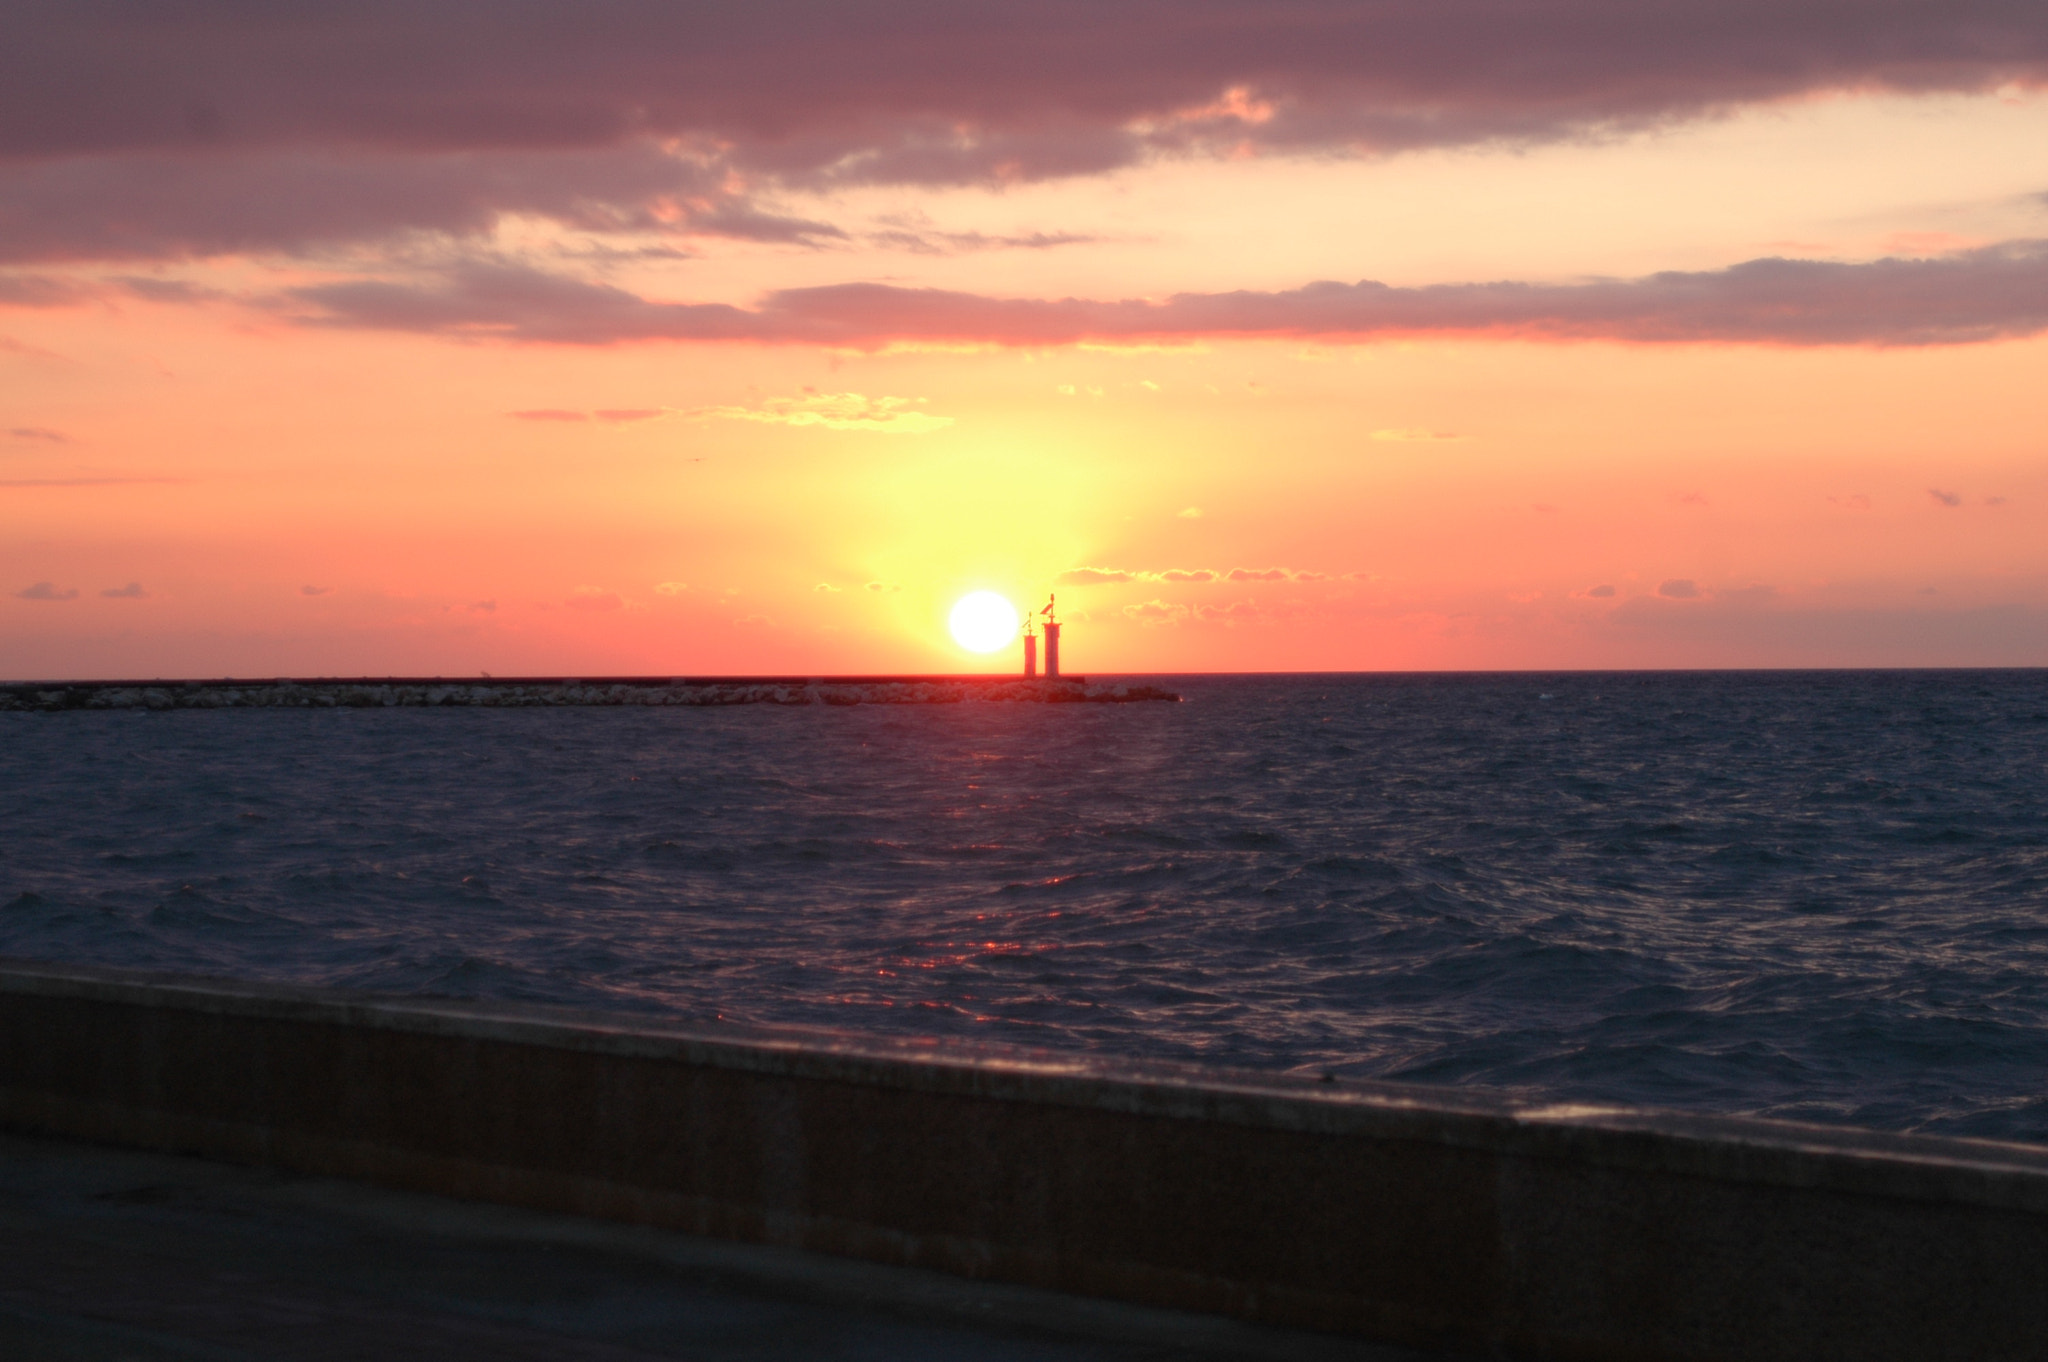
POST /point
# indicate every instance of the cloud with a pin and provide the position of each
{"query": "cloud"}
(883, 586)
(316, 131)
(548, 414)
(1189, 513)
(1856, 501)
(888, 90)
(131, 592)
(1678, 589)
(670, 588)
(835, 411)
(1601, 592)
(188, 205)
(826, 586)
(46, 591)
(55, 437)
(1156, 612)
(1102, 576)
(593, 598)
(922, 240)
(623, 415)
(1987, 294)
(1244, 612)
(1942, 498)
(314, 590)
(27, 290)
(482, 607)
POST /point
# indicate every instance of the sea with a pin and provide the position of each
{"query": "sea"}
(1813, 895)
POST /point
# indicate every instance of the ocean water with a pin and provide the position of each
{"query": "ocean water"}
(1813, 895)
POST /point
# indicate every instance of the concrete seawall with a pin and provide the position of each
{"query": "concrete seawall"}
(1433, 1217)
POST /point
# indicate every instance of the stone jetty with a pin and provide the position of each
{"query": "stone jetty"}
(526, 692)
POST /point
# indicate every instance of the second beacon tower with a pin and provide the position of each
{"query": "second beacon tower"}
(1052, 642)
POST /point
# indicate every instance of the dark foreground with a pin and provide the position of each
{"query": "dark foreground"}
(116, 1256)
(1395, 1214)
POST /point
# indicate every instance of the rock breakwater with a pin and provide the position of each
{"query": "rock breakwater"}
(516, 693)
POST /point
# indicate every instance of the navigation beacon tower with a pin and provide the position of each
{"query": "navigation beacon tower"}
(1052, 642)
(1030, 647)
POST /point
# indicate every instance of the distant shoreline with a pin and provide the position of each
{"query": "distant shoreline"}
(531, 692)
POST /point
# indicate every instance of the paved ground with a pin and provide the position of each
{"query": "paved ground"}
(113, 1256)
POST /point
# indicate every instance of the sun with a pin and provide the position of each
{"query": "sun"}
(982, 622)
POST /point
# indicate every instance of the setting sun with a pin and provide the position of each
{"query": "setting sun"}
(983, 621)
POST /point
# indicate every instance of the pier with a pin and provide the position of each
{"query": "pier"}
(531, 691)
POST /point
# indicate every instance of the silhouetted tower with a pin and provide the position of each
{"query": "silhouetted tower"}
(1052, 641)
(1030, 649)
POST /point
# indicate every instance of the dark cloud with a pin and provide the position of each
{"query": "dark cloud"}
(171, 207)
(174, 291)
(1601, 592)
(519, 303)
(1679, 589)
(1986, 294)
(131, 592)
(28, 290)
(314, 590)
(46, 591)
(934, 89)
(1942, 498)
(146, 129)
(55, 437)
(622, 415)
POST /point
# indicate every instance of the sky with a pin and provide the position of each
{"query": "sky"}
(678, 338)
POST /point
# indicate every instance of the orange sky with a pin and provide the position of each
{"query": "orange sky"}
(526, 441)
